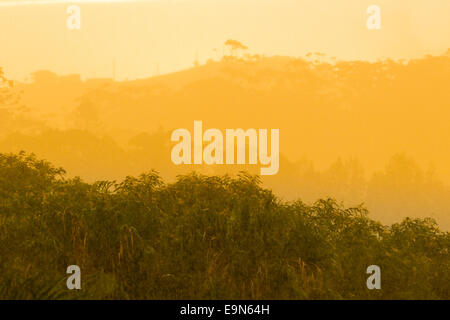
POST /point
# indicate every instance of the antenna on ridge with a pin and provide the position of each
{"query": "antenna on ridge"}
(114, 68)
(196, 61)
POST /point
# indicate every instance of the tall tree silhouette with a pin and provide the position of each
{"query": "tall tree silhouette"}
(235, 46)
(5, 86)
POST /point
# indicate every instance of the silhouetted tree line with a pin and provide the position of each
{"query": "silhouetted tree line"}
(201, 237)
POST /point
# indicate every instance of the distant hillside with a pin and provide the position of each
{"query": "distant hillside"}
(373, 133)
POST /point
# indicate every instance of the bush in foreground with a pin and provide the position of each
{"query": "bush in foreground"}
(201, 237)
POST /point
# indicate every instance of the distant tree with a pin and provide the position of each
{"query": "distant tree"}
(235, 46)
(5, 88)
(87, 115)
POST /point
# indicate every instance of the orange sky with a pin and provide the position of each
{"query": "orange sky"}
(168, 34)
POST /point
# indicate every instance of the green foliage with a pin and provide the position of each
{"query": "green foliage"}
(202, 237)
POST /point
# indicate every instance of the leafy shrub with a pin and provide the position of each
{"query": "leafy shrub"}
(201, 237)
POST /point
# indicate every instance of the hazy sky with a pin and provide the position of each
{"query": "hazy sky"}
(142, 35)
